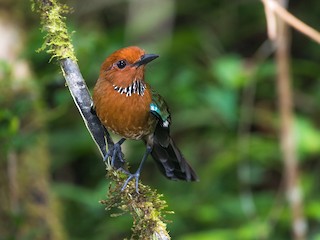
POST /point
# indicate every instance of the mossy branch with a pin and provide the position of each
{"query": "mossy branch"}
(146, 208)
(57, 39)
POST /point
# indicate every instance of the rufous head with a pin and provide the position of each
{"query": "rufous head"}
(125, 65)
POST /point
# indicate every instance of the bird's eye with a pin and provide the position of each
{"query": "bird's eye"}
(121, 64)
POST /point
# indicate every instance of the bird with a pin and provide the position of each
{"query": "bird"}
(127, 106)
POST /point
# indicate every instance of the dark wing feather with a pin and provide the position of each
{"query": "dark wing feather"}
(167, 156)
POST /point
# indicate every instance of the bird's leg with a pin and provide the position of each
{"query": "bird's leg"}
(116, 154)
(136, 175)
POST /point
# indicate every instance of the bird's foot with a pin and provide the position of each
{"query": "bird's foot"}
(116, 155)
(135, 176)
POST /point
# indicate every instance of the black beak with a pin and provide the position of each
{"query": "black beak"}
(146, 58)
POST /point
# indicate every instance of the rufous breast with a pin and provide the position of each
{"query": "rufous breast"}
(125, 110)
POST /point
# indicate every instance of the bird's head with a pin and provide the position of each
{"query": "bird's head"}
(125, 65)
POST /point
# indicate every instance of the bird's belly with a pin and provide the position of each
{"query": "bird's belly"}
(129, 126)
(127, 116)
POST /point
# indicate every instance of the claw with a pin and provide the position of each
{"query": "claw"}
(136, 176)
(117, 160)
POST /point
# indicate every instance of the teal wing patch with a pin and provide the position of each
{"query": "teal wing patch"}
(159, 108)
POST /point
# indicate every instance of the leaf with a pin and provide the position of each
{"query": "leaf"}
(223, 102)
(307, 136)
(230, 71)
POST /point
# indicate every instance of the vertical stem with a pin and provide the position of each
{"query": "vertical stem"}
(287, 138)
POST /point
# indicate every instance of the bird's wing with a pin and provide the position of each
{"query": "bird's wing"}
(166, 154)
(159, 109)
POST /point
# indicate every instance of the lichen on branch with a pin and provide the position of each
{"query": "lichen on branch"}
(147, 208)
(57, 39)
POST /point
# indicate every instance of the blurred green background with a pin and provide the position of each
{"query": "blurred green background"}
(217, 73)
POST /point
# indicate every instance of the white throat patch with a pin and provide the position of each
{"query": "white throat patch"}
(136, 87)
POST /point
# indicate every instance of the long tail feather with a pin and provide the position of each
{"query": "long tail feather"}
(171, 162)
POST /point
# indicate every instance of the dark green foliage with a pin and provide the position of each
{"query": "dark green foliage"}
(205, 73)
(16, 106)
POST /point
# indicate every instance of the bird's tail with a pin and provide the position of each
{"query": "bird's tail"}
(171, 162)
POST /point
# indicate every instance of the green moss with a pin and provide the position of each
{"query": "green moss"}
(57, 39)
(146, 207)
